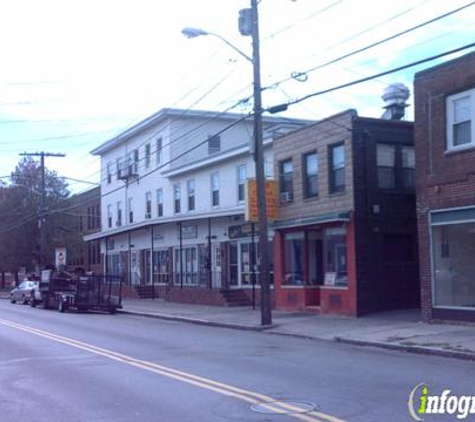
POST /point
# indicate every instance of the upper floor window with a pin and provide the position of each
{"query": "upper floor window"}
(241, 183)
(386, 162)
(118, 223)
(215, 189)
(396, 166)
(119, 166)
(310, 178)
(408, 166)
(131, 210)
(337, 168)
(159, 151)
(286, 181)
(109, 216)
(190, 187)
(460, 116)
(148, 151)
(148, 204)
(109, 172)
(176, 198)
(214, 144)
(159, 202)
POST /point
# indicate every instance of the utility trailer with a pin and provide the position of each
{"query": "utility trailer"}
(88, 292)
(100, 293)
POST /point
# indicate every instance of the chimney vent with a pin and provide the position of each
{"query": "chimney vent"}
(395, 97)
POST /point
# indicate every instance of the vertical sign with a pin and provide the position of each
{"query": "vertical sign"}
(251, 200)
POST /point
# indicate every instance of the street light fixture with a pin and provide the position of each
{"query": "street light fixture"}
(266, 311)
(189, 32)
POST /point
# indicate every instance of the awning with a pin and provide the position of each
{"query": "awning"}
(339, 217)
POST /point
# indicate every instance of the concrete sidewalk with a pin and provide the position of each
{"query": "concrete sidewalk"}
(398, 330)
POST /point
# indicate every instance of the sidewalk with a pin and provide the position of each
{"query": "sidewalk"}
(398, 330)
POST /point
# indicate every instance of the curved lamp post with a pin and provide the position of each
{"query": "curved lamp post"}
(266, 311)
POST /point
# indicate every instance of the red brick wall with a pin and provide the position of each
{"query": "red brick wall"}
(444, 179)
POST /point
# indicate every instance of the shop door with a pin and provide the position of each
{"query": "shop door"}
(216, 265)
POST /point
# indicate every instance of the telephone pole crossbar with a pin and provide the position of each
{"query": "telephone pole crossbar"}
(42, 214)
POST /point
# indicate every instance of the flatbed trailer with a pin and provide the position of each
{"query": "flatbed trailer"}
(91, 292)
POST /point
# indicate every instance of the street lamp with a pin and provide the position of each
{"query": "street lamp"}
(266, 311)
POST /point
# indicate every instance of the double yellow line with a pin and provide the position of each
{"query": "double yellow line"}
(264, 401)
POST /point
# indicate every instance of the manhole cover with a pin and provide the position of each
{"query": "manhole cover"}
(284, 407)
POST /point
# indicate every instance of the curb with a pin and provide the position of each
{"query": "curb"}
(420, 350)
(196, 321)
(381, 345)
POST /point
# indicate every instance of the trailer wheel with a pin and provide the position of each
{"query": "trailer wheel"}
(62, 306)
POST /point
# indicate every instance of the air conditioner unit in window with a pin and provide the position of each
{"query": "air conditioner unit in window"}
(285, 197)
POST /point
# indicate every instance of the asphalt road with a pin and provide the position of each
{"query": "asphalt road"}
(97, 367)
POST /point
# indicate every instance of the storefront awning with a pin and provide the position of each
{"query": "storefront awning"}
(342, 217)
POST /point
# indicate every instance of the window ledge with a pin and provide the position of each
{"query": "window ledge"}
(334, 287)
(455, 150)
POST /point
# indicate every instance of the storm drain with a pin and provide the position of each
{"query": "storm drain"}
(284, 407)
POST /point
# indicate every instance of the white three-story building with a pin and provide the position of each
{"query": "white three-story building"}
(173, 193)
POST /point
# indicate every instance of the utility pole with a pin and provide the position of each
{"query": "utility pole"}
(42, 213)
(266, 311)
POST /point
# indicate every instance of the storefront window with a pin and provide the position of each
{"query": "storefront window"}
(189, 266)
(160, 266)
(453, 248)
(336, 273)
(294, 252)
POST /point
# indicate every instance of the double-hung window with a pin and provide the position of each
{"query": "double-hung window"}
(176, 198)
(131, 210)
(337, 168)
(190, 188)
(159, 151)
(148, 151)
(214, 144)
(241, 183)
(109, 172)
(408, 167)
(109, 216)
(160, 202)
(286, 181)
(386, 162)
(148, 204)
(215, 189)
(460, 120)
(310, 179)
(119, 214)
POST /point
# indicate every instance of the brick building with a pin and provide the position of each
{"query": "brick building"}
(345, 241)
(86, 210)
(445, 150)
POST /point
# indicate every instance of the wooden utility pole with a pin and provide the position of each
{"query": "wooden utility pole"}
(43, 212)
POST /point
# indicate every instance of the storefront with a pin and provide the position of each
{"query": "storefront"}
(315, 267)
(452, 234)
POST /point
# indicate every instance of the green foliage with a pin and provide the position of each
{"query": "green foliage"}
(22, 213)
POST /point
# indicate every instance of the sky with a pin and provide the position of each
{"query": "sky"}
(74, 74)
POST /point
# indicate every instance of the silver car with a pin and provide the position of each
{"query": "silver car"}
(22, 293)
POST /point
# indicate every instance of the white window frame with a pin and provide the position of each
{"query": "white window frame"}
(148, 205)
(191, 192)
(159, 202)
(130, 213)
(215, 177)
(449, 104)
(241, 182)
(110, 221)
(177, 197)
(159, 145)
(148, 153)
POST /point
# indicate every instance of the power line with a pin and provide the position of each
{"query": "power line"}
(284, 106)
(392, 37)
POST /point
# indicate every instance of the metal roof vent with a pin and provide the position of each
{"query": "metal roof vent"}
(395, 97)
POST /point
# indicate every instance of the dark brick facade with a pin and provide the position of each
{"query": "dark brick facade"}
(381, 230)
(445, 179)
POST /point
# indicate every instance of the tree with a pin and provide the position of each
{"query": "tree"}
(22, 217)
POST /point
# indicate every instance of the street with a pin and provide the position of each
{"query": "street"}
(100, 367)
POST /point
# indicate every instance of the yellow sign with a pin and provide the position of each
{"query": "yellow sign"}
(252, 204)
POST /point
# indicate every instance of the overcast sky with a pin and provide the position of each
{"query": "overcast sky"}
(75, 73)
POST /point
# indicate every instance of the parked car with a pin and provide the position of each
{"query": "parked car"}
(22, 293)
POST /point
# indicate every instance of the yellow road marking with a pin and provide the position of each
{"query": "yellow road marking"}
(218, 387)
